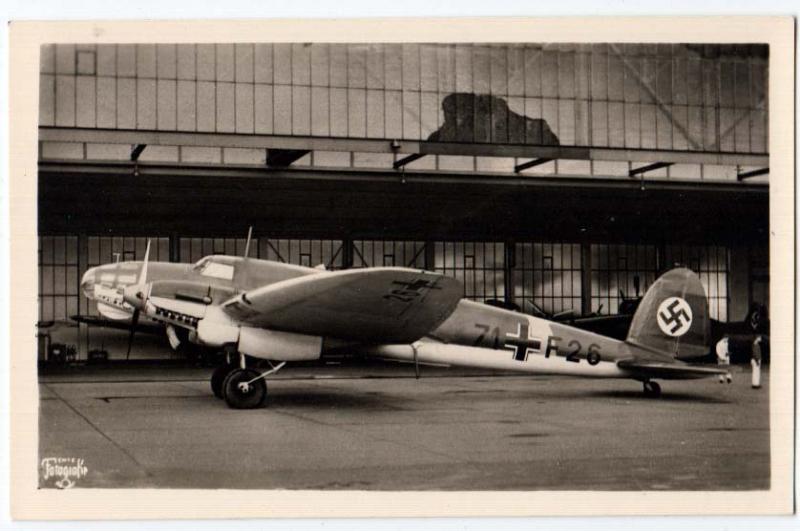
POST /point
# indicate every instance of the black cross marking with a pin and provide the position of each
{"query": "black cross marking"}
(416, 285)
(521, 344)
(674, 318)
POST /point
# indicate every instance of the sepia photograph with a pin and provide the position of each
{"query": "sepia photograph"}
(525, 266)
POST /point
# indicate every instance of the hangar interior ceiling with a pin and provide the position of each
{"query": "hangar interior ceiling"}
(539, 174)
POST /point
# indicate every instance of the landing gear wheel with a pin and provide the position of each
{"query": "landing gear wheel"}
(652, 389)
(241, 395)
(218, 378)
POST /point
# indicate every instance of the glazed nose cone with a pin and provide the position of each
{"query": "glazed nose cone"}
(88, 282)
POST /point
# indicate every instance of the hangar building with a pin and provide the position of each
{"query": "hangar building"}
(539, 174)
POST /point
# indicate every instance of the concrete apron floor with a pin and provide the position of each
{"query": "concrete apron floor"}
(333, 428)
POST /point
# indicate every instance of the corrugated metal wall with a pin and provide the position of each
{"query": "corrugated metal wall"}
(695, 97)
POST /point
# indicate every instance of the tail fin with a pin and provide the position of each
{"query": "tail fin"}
(673, 316)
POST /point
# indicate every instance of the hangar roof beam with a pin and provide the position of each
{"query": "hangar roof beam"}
(752, 173)
(407, 160)
(419, 147)
(633, 172)
(282, 158)
(182, 170)
(136, 151)
(530, 164)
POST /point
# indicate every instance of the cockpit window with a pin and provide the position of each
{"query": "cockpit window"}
(210, 268)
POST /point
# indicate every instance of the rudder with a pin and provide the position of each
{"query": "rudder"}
(673, 316)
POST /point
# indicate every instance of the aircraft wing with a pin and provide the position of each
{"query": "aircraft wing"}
(668, 370)
(387, 305)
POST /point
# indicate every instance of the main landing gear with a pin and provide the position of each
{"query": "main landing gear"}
(651, 389)
(218, 378)
(244, 389)
(240, 387)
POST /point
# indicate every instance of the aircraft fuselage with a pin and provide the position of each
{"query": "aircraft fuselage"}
(494, 338)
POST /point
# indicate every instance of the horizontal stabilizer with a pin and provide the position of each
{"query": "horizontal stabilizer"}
(385, 305)
(665, 370)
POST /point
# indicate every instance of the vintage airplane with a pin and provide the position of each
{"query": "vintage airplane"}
(259, 309)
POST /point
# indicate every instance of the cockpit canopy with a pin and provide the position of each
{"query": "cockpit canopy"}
(221, 267)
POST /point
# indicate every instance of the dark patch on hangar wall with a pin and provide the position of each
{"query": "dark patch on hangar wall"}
(483, 118)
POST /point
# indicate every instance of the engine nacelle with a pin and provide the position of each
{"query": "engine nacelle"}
(218, 330)
(275, 345)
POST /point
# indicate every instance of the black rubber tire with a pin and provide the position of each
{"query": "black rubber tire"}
(253, 398)
(652, 390)
(218, 379)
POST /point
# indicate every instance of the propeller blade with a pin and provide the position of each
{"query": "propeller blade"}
(143, 283)
(636, 284)
(134, 323)
(416, 361)
(143, 274)
(247, 245)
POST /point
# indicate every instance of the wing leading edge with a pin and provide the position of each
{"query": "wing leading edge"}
(387, 304)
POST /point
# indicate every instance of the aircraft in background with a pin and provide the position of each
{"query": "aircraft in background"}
(741, 334)
(263, 310)
(612, 325)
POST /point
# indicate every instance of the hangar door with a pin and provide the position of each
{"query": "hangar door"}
(309, 253)
(614, 268)
(545, 275)
(64, 259)
(480, 266)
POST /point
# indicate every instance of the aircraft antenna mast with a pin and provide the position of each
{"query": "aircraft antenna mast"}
(247, 245)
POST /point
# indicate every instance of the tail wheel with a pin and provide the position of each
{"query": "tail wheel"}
(239, 394)
(652, 389)
(218, 378)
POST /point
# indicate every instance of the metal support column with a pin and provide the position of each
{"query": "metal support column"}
(347, 252)
(430, 255)
(510, 265)
(174, 247)
(83, 329)
(586, 278)
(83, 265)
(661, 259)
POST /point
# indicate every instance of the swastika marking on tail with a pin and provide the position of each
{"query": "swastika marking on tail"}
(674, 316)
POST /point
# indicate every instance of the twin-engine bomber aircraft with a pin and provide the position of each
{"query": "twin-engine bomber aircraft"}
(282, 313)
